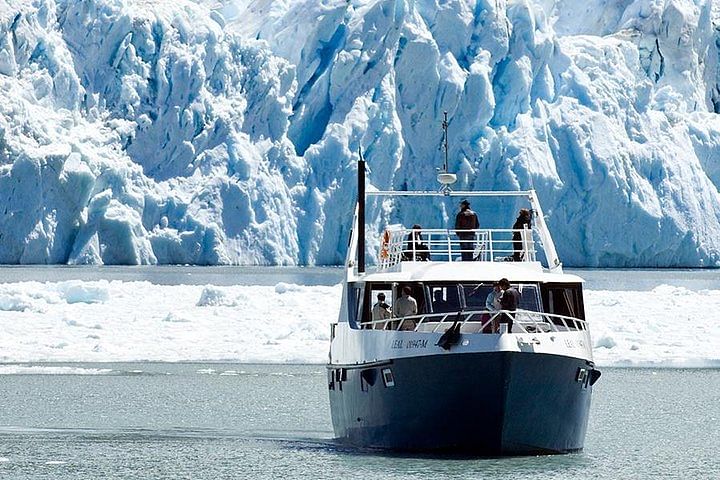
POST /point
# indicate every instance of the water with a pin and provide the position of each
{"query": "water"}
(595, 279)
(214, 421)
(209, 421)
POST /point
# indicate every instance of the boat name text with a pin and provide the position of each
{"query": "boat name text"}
(409, 344)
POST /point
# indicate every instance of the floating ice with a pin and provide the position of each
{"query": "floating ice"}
(51, 370)
(214, 296)
(666, 326)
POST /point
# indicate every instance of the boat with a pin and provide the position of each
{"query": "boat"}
(458, 377)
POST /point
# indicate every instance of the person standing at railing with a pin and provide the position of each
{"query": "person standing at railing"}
(492, 301)
(406, 306)
(523, 221)
(466, 219)
(509, 300)
(492, 304)
(381, 311)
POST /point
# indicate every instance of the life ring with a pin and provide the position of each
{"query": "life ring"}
(385, 243)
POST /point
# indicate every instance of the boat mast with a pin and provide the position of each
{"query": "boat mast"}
(444, 177)
(445, 141)
(361, 214)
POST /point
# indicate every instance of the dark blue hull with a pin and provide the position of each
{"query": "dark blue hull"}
(486, 404)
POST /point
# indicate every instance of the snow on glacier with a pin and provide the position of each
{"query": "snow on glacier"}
(106, 321)
(220, 132)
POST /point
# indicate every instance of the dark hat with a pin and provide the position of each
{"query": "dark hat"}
(465, 202)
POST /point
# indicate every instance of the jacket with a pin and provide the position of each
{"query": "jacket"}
(466, 220)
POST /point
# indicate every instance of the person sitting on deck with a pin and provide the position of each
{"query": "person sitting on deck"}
(415, 249)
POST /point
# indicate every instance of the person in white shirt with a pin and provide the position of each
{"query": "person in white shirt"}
(406, 306)
(492, 302)
(381, 311)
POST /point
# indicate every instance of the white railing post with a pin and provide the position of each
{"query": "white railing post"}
(449, 247)
(492, 254)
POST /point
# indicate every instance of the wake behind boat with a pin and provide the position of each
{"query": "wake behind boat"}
(456, 373)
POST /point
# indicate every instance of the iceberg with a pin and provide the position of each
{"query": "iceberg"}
(227, 131)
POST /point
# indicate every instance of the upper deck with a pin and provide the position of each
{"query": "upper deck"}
(436, 253)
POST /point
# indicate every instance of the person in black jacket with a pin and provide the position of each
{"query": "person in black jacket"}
(415, 248)
(524, 220)
(466, 219)
(509, 301)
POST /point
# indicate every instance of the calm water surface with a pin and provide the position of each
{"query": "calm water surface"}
(272, 421)
(596, 279)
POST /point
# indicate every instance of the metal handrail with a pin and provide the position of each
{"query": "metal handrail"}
(443, 245)
(540, 322)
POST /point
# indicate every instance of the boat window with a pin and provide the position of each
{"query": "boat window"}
(475, 295)
(378, 290)
(355, 304)
(417, 293)
(444, 298)
(563, 299)
(529, 297)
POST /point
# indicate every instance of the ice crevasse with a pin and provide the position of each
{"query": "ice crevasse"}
(227, 132)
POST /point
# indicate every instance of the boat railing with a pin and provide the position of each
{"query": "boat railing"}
(399, 244)
(481, 321)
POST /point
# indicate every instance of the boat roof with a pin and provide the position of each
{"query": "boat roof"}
(515, 272)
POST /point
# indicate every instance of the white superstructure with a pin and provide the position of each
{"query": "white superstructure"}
(541, 328)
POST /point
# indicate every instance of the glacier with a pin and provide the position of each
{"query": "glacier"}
(227, 132)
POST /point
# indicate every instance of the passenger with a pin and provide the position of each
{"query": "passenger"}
(508, 301)
(492, 304)
(492, 301)
(414, 244)
(439, 304)
(406, 306)
(524, 220)
(466, 219)
(380, 311)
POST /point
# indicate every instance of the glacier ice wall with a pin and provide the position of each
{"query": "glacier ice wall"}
(216, 132)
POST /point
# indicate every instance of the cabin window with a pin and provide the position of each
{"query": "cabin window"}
(417, 292)
(378, 293)
(355, 304)
(475, 295)
(563, 299)
(529, 297)
(443, 298)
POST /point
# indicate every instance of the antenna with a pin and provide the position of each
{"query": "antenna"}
(444, 177)
(445, 140)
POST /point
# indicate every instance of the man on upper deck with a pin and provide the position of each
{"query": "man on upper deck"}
(466, 219)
